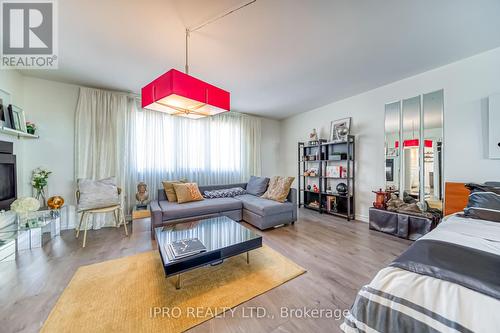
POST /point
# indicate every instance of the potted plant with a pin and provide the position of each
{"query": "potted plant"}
(39, 182)
(30, 127)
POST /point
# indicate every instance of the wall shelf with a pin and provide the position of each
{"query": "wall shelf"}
(19, 134)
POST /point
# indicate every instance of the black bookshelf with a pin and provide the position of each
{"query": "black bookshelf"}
(319, 157)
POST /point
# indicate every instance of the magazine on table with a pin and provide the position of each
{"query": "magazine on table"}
(185, 248)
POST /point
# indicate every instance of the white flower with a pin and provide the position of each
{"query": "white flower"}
(25, 204)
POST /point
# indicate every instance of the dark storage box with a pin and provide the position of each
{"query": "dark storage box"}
(399, 224)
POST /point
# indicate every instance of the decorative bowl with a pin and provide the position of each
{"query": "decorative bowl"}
(55, 202)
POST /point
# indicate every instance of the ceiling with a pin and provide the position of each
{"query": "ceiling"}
(276, 57)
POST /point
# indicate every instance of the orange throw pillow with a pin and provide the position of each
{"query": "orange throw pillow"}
(187, 192)
(168, 187)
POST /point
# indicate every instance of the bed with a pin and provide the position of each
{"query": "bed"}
(447, 281)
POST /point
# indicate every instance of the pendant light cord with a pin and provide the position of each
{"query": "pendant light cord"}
(187, 51)
(198, 27)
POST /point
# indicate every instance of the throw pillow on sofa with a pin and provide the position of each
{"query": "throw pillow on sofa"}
(224, 193)
(97, 193)
(187, 192)
(278, 189)
(168, 187)
(257, 185)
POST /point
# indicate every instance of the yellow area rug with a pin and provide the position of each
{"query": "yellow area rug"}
(132, 294)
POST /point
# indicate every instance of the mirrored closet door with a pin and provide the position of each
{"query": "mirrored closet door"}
(414, 148)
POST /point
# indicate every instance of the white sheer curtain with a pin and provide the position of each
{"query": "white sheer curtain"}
(103, 144)
(216, 150)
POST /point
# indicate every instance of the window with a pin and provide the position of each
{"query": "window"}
(213, 150)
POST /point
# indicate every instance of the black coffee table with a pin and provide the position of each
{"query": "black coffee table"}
(222, 237)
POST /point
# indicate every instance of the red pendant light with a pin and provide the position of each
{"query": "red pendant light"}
(181, 94)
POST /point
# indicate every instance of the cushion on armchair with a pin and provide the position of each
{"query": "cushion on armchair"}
(97, 193)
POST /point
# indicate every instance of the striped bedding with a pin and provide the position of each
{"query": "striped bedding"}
(399, 300)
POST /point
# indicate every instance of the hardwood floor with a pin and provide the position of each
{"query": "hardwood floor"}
(339, 257)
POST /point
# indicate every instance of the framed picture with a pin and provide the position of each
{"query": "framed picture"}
(21, 118)
(340, 129)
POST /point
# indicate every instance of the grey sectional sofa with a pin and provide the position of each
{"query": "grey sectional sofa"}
(262, 213)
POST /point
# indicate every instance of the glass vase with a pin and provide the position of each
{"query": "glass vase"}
(40, 196)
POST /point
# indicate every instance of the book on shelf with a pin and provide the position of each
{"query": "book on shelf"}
(185, 248)
(335, 171)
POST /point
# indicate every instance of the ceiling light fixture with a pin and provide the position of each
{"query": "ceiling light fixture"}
(181, 94)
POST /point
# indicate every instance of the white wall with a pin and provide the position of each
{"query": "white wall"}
(51, 105)
(270, 147)
(466, 84)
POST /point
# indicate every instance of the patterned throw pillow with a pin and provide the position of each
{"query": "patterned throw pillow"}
(224, 193)
(278, 189)
(187, 192)
(168, 187)
(97, 193)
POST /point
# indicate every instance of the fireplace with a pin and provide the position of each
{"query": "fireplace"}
(8, 188)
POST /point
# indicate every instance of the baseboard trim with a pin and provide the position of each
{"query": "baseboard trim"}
(362, 218)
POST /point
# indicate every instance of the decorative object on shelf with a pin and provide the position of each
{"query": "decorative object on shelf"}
(315, 188)
(17, 118)
(314, 140)
(335, 171)
(312, 172)
(331, 204)
(314, 204)
(55, 202)
(142, 196)
(329, 189)
(335, 156)
(30, 127)
(339, 130)
(10, 115)
(39, 182)
(308, 187)
(313, 137)
(380, 199)
(310, 158)
(342, 188)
